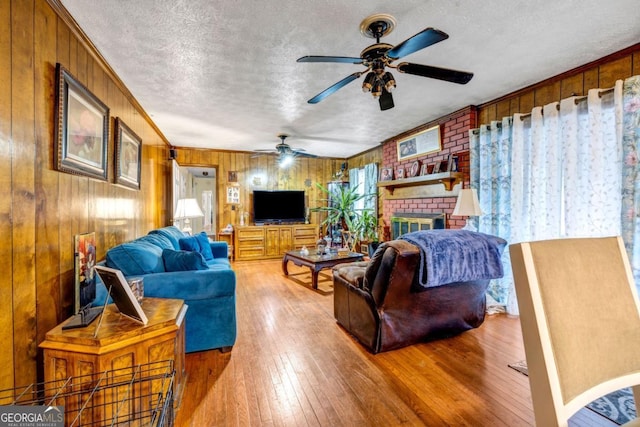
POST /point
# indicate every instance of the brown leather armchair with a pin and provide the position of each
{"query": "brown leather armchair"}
(379, 302)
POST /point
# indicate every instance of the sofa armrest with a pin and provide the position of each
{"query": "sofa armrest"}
(219, 249)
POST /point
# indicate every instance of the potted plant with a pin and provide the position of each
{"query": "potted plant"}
(340, 208)
(365, 225)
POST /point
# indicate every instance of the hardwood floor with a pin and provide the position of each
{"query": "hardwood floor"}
(293, 365)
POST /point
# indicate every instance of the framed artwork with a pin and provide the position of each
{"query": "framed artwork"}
(233, 194)
(232, 176)
(419, 144)
(444, 166)
(85, 276)
(413, 169)
(82, 129)
(128, 156)
(400, 173)
(423, 169)
(386, 174)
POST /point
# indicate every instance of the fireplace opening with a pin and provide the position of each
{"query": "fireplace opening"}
(406, 222)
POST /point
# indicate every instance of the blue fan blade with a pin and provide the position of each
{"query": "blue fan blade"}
(331, 89)
(424, 38)
(345, 59)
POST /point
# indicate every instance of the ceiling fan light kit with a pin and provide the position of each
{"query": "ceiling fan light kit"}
(379, 56)
(286, 154)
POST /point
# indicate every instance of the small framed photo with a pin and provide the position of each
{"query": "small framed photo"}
(386, 174)
(436, 167)
(232, 176)
(444, 166)
(413, 169)
(82, 129)
(431, 168)
(423, 169)
(128, 156)
(400, 173)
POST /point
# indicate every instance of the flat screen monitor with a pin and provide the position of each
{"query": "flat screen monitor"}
(278, 207)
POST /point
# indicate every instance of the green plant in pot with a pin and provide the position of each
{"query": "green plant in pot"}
(366, 228)
(340, 207)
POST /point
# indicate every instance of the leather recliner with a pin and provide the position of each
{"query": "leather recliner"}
(380, 303)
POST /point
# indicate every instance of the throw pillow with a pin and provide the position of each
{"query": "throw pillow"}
(183, 260)
(205, 247)
(189, 243)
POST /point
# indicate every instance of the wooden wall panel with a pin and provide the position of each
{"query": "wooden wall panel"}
(599, 74)
(259, 172)
(43, 208)
(6, 278)
(22, 183)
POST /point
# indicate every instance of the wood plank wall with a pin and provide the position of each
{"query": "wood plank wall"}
(260, 173)
(602, 73)
(42, 209)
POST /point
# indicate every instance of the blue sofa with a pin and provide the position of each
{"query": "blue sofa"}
(209, 292)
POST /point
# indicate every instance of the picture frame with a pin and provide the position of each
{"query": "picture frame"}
(232, 176)
(121, 293)
(233, 194)
(413, 169)
(419, 144)
(128, 156)
(81, 128)
(423, 169)
(430, 168)
(400, 173)
(444, 166)
(386, 174)
(85, 276)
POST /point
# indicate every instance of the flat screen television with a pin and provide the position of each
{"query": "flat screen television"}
(278, 207)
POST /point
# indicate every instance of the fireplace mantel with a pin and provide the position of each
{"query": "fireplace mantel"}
(423, 186)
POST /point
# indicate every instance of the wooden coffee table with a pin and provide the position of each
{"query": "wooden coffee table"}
(318, 262)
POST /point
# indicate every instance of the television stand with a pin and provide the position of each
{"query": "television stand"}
(272, 241)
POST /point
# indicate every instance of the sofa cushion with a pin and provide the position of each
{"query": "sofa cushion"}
(205, 247)
(159, 240)
(183, 260)
(135, 258)
(189, 243)
(198, 243)
(172, 233)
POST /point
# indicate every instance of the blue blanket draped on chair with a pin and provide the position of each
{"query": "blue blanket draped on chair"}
(450, 256)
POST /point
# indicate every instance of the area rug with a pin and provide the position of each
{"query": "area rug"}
(618, 406)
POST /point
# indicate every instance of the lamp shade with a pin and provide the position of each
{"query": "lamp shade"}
(467, 204)
(188, 208)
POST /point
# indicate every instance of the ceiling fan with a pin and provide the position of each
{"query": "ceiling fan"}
(285, 153)
(379, 56)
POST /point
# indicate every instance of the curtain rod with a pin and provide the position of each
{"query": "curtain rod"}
(578, 99)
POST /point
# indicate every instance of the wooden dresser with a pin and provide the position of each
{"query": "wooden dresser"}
(272, 241)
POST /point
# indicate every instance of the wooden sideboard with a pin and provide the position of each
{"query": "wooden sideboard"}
(272, 241)
(120, 343)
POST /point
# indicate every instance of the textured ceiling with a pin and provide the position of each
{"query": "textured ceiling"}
(223, 74)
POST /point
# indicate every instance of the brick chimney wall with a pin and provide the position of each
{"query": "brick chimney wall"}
(454, 134)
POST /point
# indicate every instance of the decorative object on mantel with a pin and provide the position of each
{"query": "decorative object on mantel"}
(467, 205)
(386, 174)
(413, 170)
(187, 209)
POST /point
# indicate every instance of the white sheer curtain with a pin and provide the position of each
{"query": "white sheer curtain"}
(565, 176)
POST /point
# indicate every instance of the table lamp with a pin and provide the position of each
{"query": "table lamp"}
(187, 209)
(467, 205)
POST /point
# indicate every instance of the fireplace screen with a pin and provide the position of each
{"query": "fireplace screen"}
(403, 223)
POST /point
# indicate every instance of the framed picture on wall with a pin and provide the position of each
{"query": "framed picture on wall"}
(128, 156)
(82, 128)
(420, 143)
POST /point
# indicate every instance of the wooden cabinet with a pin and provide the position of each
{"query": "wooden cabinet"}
(272, 241)
(120, 343)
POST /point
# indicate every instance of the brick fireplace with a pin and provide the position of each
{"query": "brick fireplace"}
(454, 133)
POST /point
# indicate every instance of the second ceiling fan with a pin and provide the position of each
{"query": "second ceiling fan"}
(379, 56)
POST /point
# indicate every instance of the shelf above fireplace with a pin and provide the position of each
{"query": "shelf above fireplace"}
(449, 179)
